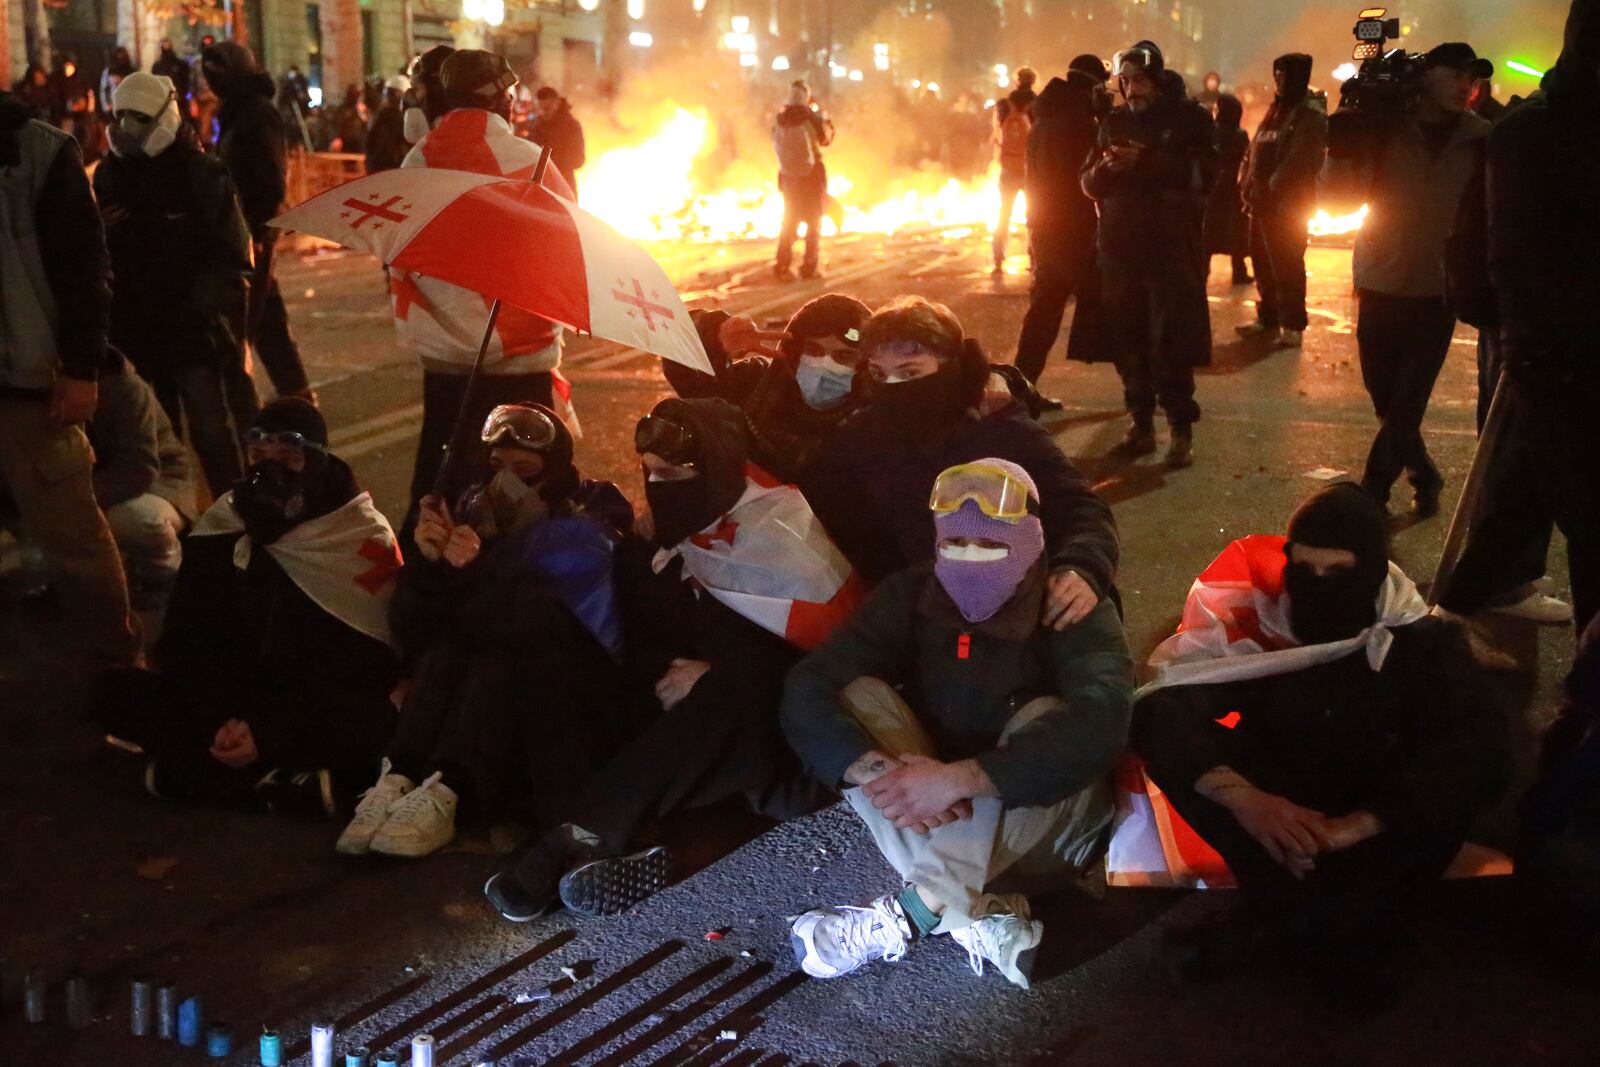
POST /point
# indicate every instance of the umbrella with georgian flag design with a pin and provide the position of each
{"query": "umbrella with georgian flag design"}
(514, 241)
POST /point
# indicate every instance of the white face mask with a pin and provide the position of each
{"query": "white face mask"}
(974, 553)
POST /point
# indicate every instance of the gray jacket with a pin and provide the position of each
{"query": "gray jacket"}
(1413, 195)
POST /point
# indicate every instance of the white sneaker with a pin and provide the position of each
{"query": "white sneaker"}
(421, 822)
(1538, 608)
(1006, 936)
(372, 810)
(1288, 338)
(830, 942)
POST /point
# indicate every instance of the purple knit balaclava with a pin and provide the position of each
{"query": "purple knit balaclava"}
(981, 580)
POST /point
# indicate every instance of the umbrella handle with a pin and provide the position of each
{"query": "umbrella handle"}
(459, 441)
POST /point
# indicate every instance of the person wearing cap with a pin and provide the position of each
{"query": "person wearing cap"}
(974, 741)
(443, 323)
(1279, 185)
(1151, 174)
(870, 480)
(252, 143)
(735, 578)
(1062, 220)
(1412, 174)
(181, 260)
(54, 306)
(1334, 760)
(508, 620)
(557, 127)
(1544, 268)
(270, 682)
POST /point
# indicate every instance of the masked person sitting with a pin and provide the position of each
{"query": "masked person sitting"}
(870, 481)
(509, 623)
(974, 742)
(738, 580)
(272, 675)
(1327, 737)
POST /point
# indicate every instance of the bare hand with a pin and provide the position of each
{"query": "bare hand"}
(921, 793)
(740, 336)
(234, 745)
(1344, 831)
(1068, 599)
(462, 547)
(433, 528)
(996, 395)
(679, 680)
(1122, 156)
(113, 215)
(72, 401)
(1285, 829)
(645, 526)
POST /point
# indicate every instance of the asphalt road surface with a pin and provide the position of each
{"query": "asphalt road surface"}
(261, 919)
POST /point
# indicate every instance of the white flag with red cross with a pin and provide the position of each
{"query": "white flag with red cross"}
(510, 240)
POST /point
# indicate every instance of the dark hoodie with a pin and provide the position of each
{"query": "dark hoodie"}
(1226, 231)
(563, 133)
(251, 140)
(1544, 220)
(1059, 144)
(1287, 152)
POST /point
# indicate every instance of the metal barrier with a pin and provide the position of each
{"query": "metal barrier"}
(311, 173)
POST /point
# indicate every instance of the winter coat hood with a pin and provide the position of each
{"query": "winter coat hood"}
(1575, 79)
(241, 74)
(1296, 67)
(1229, 112)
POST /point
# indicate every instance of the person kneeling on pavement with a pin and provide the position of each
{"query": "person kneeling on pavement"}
(509, 623)
(1328, 738)
(739, 580)
(273, 672)
(974, 741)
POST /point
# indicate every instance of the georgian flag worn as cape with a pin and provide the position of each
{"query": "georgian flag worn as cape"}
(770, 560)
(1236, 627)
(345, 561)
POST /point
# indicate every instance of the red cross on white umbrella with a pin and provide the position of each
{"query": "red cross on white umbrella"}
(511, 240)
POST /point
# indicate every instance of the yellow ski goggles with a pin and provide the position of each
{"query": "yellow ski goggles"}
(998, 494)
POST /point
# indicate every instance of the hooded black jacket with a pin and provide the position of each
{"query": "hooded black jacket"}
(1062, 138)
(1226, 230)
(1289, 146)
(251, 142)
(563, 133)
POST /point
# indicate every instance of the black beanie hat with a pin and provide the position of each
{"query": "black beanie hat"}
(291, 414)
(1344, 516)
(1092, 65)
(829, 315)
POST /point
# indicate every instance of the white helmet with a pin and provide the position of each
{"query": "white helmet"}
(399, 83)
(154, 99)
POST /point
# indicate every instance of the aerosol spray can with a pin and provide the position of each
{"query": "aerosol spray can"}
(33, 991)
(191, 1018)
(271, 1049)
(78, 1002)
(358, 1057)
(167, 1012)
(141, 1007)
(219, 1040)
(387, 1059)
(322, 1044)
(422, 1050)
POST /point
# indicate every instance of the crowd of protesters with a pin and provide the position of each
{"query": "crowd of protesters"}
(865, 568)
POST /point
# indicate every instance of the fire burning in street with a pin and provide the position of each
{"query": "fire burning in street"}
(1323, 224)
(653, 191)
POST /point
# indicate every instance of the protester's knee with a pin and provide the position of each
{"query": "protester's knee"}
(883, 714)
(1034, 709)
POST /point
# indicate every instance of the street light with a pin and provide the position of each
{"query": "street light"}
(856, 75)
(780, 63)
(588, 5)
(636, 9)
(489, 12)
(748, 59)
(880, 56)
(640, 39)
(740, 24)
(1344, 72)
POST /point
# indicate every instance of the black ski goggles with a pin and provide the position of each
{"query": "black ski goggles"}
(256, 436)
(519, 426)
(672, 441)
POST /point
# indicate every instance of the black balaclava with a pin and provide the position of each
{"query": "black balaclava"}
(683, 508)
(1296, 67)
(238, 63)
(936, 398)
(1229, 112)
(271, 499)
(1337, 606)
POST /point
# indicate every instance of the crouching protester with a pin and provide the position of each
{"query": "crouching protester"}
(974, 741)
(738, 581)
(508, 622)
(1327, 737)
(272, 675)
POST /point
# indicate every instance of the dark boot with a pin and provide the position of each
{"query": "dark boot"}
(1180, 453)
(1140, 440)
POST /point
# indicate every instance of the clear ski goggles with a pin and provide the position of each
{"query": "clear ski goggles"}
(256, 436)
(1139, 57)
(672, 441)
(519, 426)
(998, 494)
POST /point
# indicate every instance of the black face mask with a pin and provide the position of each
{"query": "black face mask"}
(1331, 607)
(271, 500)
(935, 396)
(678, 508)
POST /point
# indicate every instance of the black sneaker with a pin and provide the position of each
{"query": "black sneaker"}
(612, 885)
(509, 899)
(304, 794)
(529, 884)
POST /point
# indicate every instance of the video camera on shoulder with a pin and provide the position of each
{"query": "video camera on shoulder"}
(1379, 92)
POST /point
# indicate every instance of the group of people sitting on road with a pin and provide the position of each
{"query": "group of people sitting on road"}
(919, 613)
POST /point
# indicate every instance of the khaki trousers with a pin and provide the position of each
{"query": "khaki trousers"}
(47, 472)
(1018, 850)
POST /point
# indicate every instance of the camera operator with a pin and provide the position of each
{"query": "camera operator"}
(1411, 166)
(1151, 176)
(1544, 264)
